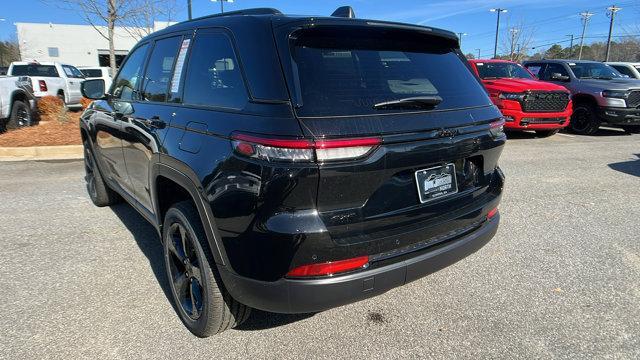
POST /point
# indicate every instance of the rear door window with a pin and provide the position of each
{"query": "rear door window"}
(338, 75)
(159, 69)
(72, 72)
(35, 70)
(554, 69)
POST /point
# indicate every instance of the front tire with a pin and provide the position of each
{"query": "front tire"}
(99, 192)
(203, 304)
(546, 133)
(584, 120)
(20, 116)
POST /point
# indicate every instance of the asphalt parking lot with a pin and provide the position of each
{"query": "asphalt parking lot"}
(561, 279)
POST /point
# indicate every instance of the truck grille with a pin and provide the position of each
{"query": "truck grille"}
(545, 102)
(553, 120)
(634, 99)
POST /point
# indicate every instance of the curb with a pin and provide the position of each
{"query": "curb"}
(64, 152)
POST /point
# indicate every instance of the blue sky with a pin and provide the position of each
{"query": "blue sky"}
(548, 21)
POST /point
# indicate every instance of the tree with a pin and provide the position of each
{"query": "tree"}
(142, 22)
(517, 41)
(9, 52)
(103, 15)
(470, 56)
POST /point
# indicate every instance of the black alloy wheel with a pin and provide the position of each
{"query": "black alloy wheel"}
(584, 120)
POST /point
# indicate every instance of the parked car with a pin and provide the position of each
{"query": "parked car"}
(97, 72)
(525, 102)
(599, 92)
(51, 79)
(631, 69)
(293, 164)
(16, 102)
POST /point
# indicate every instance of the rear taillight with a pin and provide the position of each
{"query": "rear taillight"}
(330, 268)
(492, 213)
(497, 128)
(302, 150)
(43, 85)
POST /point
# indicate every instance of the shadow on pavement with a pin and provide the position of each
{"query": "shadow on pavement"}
(148, 241)
(631, 167)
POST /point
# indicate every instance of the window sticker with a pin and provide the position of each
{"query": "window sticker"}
(177, 72)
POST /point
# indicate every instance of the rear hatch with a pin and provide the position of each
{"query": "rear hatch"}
(430, 153)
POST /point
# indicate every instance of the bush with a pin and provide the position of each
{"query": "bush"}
(50, 106)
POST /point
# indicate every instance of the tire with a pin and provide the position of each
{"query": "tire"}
(584, 120)
(631, 129)
(64, 102)
(546, 133)
(203, 304)
(99, 192)
(20, 115)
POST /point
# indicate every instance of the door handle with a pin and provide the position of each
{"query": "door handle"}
(155, 122)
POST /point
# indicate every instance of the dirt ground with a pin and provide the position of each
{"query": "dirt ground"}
(50, 131)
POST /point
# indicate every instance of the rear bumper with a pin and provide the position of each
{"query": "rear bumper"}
(305, 296)
(620, 116)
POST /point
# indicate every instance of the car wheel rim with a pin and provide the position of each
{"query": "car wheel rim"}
(23, 118)
(185, 271)
(90, 175)
(581, 119)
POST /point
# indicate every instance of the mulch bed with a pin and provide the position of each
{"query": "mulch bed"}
(48, 132)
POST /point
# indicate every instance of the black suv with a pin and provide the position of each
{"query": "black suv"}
(294, 164)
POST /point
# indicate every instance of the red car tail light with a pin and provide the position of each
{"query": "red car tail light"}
(43, 85)
(302, 150)
(497, 128)
(330, 268)
(492, 213)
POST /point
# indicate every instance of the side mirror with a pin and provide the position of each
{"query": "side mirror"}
(559, 77)
(93, 89)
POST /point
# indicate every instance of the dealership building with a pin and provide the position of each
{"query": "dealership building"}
(79, 45)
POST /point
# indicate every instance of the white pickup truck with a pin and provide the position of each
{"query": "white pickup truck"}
(17, 102)
(51, 79)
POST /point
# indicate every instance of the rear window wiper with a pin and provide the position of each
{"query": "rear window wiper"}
(421, 102)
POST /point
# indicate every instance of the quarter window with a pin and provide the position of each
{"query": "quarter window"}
(126, 84)
(213, 75)
(158, 75)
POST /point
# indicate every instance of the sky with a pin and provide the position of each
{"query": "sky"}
(547, 21)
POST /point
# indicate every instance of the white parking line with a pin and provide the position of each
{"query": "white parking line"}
(567, 135)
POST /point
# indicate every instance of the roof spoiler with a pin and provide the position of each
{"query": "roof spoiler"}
(345, 12)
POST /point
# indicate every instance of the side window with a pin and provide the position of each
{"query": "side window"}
(159, 69)
(554, 69)
(624, 70)
(213, 75)
(534, 69)
(126, 84)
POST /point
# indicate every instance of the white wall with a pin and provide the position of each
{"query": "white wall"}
(77, 44)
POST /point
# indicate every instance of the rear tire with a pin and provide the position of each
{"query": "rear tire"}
(631, 129)
(20, 115)
(584, 120)
(205, 307)
(546, 133)
(99, 192)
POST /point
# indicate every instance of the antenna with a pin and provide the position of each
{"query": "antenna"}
(345, 12)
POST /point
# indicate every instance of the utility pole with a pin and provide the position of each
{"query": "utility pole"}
(495, 46)
(222, 4)
(612, 14)
(513, 32)
(585, 20)
(570, 46)
(460, 35)
(478, 53)
(518, 52)
(189, 8)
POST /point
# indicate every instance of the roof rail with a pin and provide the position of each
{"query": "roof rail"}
(345, 12)
(255, 11)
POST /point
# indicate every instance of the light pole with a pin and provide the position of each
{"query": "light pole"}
(495, 46)
(222, 4)
(585, 20)
(570, 46)
(612, 14)
(478, 53)
(460, 35)
(189, 9)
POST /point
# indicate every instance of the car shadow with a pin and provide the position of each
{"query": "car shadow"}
(631, 167)
(609, 131)
(149, 243)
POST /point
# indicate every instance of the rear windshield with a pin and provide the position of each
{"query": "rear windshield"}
(92, 73)
(34, 70)
(498, 70)
(341, 75)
